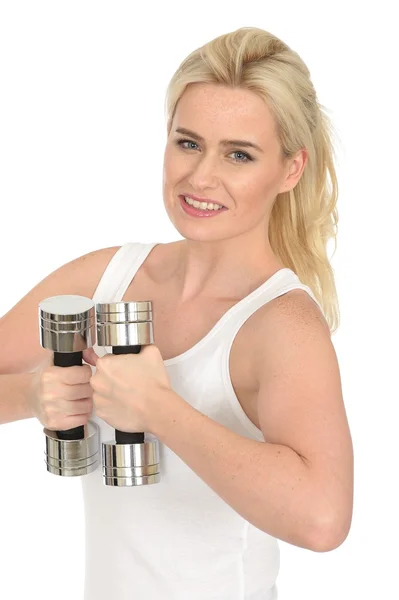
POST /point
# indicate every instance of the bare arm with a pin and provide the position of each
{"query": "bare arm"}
(20, 351)
(14, 397)
(301, 407)
(262, 482)
(298, 484)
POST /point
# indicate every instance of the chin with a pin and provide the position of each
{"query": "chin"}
(196, 234)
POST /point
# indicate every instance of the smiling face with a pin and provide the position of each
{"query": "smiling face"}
(244, 179)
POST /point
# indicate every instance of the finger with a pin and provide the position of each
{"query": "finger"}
(74, 375)
(71, 422)
(79, 391)
(80, 407)
(90, 356)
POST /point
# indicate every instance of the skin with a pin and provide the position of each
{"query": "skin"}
(222, 255)
(297, 485)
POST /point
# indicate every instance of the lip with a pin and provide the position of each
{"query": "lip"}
(199, 214)
(203, 199)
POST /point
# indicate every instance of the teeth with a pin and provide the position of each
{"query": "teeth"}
(202, 205)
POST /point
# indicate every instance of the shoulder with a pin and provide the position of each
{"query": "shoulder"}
(86, 270)
(291, 324)
(19, 325)
(295, 309)
(79, 276)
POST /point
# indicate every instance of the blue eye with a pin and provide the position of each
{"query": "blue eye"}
(247, 157)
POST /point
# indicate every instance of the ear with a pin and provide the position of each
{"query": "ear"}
(296, 166)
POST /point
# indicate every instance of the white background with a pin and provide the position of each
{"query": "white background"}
(82, 135)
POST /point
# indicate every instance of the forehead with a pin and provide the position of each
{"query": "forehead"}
(212, 108)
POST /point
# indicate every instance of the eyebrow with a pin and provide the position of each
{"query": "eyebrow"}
(222, 142)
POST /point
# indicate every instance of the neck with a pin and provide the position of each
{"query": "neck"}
(222, 269)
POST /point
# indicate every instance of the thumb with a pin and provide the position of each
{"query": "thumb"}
(90, 356)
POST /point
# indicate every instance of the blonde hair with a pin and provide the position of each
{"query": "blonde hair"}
(303, 219)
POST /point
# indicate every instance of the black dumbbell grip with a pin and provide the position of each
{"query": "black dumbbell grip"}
(125, 437)
(70, 359)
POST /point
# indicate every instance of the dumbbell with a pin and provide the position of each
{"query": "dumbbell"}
(67, 326)
(133, 458)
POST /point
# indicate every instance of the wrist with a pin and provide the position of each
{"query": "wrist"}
(165, 417)
(28, 406)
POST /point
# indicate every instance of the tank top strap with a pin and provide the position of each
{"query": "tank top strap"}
(282, 282)
(120, 271)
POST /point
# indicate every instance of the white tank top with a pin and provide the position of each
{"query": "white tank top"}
(177, 539)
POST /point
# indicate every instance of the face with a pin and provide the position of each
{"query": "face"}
(245, 180)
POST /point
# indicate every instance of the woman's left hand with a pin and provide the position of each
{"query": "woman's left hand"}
(128, 389)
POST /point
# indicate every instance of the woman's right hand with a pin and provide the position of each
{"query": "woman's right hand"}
(62, 397)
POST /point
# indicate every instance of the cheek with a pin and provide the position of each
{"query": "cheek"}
(253, 194)
(248, 187)
(172, 167)
(263, 182)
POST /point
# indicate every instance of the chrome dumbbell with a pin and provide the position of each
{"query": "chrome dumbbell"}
(67, 326)
(133, 458)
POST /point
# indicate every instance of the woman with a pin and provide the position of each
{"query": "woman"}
(242, 385)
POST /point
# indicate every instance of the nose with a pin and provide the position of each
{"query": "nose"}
(203, 175)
